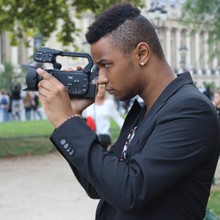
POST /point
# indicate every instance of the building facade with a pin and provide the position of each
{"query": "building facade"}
(183, 50)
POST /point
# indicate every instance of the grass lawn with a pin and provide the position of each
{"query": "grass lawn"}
(30, 137)
(20, 129)
(214, 202)
(23, 138)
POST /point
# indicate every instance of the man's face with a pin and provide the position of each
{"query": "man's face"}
(116, 70)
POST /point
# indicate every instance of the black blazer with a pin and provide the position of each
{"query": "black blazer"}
(170, 162)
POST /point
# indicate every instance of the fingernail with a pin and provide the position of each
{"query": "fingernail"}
(39, 70)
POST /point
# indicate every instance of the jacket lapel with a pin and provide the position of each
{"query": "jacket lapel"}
(127, 126)
(146, 125)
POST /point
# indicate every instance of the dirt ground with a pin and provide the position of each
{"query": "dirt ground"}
(43, 187)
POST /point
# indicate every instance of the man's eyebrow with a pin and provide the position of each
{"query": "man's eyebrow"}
(101, 61)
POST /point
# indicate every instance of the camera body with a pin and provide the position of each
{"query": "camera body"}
(77, 83)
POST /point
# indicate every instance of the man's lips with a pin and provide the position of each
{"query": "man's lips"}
(110, 91)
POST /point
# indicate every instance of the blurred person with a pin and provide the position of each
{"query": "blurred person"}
(163, 163)
(10, 107)
(4, 104)
(36, 107)
(216, 101)
(28, 104)
(208, 92)
(101, 112)
(16, 103)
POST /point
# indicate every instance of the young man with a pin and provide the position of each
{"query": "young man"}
(163, 163)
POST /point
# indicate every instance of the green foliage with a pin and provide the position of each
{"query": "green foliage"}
(98, 6)
(204, 15)
(8, 77)
(25, 18)
(214, 203)
(211, 85)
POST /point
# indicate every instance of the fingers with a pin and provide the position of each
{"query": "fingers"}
(79, 68)
(49, 85)
(51, 81)
(43, 73)
(46, 82)
(69, 69)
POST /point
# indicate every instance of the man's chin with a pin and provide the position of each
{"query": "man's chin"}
(124, 98)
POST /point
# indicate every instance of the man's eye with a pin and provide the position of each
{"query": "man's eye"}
(106, 65)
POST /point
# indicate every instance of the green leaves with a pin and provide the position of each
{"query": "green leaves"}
(8, 76)
(98, 6)
(36, 17)
(26, 19)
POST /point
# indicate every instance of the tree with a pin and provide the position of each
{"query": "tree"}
(25, 18)
(98, 6)
(9, 77)
(204, 15)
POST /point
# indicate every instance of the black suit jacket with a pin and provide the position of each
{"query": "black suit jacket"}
(170, 162)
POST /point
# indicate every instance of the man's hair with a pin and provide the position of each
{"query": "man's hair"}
(126, 28)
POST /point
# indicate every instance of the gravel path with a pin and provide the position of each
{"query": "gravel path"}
(42, 187)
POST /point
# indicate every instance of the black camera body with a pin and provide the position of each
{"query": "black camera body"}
(77, 83)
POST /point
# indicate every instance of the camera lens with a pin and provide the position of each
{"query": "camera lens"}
(32, 79)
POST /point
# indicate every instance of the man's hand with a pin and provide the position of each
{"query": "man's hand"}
(55, 100)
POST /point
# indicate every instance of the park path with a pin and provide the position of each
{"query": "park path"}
(42, 187)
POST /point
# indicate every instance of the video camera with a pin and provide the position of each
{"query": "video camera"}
(77, 83)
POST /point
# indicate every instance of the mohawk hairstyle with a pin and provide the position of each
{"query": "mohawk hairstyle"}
(126, 27)
(110, 20)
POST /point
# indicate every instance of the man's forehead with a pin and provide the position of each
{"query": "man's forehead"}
(102, 50)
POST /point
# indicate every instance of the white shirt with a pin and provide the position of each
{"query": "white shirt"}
(102, 114)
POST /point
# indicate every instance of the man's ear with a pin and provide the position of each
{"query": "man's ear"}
(143, 53)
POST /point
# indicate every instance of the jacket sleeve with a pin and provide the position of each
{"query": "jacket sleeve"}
(90, 190)
(66, 149)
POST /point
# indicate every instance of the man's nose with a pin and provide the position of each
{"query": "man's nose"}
(102, 79)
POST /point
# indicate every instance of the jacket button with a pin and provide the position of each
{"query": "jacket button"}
(71, 152)
(63, 141)
(69, 149)
(66, 145)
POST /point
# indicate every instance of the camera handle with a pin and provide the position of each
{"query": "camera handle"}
(88, 67)
(48, 55)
